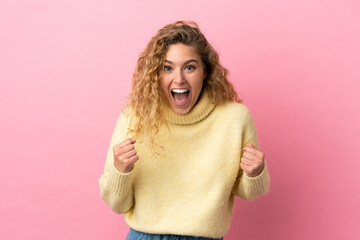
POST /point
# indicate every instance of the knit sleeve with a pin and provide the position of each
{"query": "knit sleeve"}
(249, 188)
(116, 187)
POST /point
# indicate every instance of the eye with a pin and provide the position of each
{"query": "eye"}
(190, 67)
(167, 68)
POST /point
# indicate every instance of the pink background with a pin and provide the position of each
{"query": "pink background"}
(65, 67)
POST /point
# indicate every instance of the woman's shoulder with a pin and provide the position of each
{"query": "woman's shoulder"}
(234, 108)
(126, 112)
(234, 114)
(124, 116)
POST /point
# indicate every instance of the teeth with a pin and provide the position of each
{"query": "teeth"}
(180, 90)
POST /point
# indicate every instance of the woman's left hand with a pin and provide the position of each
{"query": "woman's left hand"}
(252, 161)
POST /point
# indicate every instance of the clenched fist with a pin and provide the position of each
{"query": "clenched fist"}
(252, 161)
(125, 155)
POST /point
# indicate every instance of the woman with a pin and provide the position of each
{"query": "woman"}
(184, 146)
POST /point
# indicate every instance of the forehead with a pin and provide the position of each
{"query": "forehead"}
(180, 52)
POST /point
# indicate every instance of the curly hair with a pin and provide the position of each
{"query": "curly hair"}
(145, 96)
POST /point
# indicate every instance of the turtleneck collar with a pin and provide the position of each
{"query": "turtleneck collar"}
(200, 110)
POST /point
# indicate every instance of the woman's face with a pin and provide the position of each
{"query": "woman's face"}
(182, 77)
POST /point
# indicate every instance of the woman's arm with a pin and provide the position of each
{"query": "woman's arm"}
(115, 186)
(253, 178)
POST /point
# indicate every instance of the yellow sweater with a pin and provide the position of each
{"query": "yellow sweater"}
(190, 188)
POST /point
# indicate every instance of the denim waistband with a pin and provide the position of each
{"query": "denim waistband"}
(137, 235)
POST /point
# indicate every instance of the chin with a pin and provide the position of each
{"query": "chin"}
(181, 111)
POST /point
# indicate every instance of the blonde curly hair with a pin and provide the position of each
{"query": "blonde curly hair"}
(145, 96)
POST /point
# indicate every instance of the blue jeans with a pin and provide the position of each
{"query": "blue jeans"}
(136, 235)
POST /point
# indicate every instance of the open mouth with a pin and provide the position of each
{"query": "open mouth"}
(180, 96)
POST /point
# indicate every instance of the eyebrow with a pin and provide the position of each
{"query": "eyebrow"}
(186, 62)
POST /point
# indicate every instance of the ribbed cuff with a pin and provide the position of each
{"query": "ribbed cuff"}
(119, 183)
(259, 183)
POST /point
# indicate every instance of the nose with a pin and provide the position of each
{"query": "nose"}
(179, 77)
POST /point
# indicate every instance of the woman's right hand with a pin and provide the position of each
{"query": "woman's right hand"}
(125, 155)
